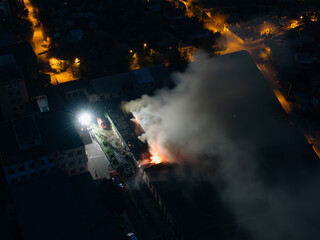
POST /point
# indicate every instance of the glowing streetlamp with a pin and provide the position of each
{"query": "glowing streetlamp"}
(84, 119)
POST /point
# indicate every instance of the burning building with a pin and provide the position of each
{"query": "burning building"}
(237, 168)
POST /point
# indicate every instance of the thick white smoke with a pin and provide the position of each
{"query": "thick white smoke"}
(223, 118)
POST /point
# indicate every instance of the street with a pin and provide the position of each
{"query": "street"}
(98, 163)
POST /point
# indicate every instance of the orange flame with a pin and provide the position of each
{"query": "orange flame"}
(137, 119)
(156, 158)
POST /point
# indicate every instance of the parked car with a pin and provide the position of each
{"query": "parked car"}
(131, 236)
(116, 179)
(101, 123)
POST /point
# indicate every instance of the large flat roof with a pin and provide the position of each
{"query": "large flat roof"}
(55, 128)
(206, 201)
(8, 68)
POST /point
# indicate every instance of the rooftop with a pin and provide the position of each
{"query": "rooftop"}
(206, 201)
(114, 83)
(8, 68)
(26, 130)
(55, 129)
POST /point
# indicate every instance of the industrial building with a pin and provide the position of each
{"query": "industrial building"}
(193, 197)
(123, 85)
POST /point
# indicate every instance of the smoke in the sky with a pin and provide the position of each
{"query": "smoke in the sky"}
(224, 120)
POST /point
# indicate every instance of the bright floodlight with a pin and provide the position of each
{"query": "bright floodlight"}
(84, 119)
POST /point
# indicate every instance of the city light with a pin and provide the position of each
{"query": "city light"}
(85, 119)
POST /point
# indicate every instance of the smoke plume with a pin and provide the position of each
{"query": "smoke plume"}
(223, 119)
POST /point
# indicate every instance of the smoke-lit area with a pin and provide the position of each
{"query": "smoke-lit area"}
(224, 123)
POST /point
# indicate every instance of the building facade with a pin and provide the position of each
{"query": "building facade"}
(13, 91)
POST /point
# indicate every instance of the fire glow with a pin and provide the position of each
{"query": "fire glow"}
(156, 158)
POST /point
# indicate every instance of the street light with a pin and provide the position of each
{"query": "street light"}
(85, 119)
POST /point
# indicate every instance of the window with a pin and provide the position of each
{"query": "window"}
(41, 162)
(13, 101)
(10, 93)
(81, 169)
(16, 85)
(31, 165)
(9, 86)
(71, 163)
(62, 166)
(11, 171)
(15, 108)
(70, 154)
(44, 171)
(18, 92)
(24, 177)
(80, 160)
(22, 168)
(50, 160)
(79, 152)
(72, 171)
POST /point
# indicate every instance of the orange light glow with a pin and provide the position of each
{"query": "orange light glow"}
(136, 120)
(156, 158)
(40, 42)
